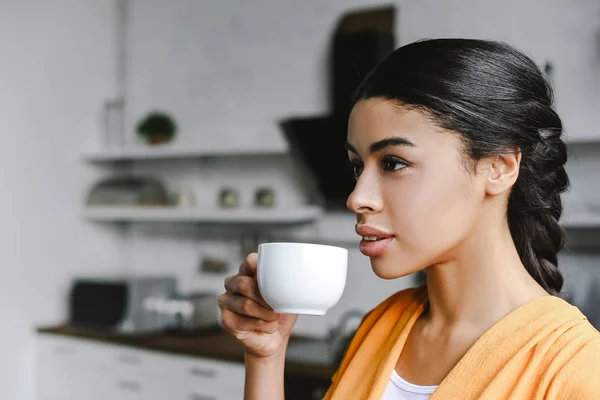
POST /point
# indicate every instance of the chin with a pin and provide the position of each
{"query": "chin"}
(389, 269)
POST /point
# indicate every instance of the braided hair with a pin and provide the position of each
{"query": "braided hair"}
(497, 100)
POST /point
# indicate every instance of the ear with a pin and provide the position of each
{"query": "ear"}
(502, 172)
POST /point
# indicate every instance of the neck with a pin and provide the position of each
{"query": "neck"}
(482, 282)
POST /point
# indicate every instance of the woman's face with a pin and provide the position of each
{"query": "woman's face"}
(413, 194)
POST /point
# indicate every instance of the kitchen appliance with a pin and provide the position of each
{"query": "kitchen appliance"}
(128, 191)
(189, 313)
(318, 146)
(117, 304)
(329, 350)
(362, 39)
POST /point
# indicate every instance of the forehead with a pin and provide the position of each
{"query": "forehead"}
(376, 119)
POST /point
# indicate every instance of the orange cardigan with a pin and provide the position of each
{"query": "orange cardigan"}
(545, 349)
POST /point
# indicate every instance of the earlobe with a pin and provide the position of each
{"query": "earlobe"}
(503, 172)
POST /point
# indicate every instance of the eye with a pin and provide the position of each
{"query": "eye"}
(357, 168)
(390, 163)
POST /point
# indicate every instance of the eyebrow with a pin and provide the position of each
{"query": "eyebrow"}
(382, 144)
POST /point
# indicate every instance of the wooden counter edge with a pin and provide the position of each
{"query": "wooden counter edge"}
(149, 342)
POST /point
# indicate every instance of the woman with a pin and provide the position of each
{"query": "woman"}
(459, 167)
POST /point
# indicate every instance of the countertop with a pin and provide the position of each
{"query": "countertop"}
(306, 357)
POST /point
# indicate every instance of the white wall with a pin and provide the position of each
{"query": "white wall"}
(566, 33)
(228, 70)
(57, 68)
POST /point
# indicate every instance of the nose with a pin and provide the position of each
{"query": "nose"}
(365, 198)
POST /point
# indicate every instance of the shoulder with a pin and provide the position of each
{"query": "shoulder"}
(579, 375)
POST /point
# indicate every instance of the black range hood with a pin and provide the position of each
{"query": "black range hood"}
(362, 40)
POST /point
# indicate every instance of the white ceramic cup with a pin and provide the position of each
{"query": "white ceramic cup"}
(301, 278)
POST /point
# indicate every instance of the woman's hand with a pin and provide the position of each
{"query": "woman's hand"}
(249, 318)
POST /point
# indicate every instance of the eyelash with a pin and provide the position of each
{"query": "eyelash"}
(386, 162)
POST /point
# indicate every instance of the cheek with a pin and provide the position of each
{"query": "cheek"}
(429, 220)
(432, 210)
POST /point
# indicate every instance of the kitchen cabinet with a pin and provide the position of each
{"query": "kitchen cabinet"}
(72, 360)
(75, 369)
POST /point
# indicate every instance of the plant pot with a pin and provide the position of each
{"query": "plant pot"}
(157, 138)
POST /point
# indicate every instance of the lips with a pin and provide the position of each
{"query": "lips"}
(375, 241)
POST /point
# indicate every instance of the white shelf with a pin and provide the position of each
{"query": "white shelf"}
(583, 141)
(217, 216)
(581, 221)
(159, 152)
(168, 151)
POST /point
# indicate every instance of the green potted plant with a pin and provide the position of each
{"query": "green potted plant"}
(157, 128)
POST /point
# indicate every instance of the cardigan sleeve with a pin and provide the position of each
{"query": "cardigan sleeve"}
(579, 378)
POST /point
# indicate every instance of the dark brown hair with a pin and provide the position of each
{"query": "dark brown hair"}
(498, 100)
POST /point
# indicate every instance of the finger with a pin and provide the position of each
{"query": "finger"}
(237, 324)
(246, 306)
(248, 267)
(228, 281)
(246, 286)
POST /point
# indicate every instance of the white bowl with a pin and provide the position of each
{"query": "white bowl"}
(301, 278)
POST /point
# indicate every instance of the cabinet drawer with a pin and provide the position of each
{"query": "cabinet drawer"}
(128, 387)
(72, 369)
(200, 373)
(89, 355)
(69, 383)
(196, 392)
(65, 352)
(48, 397)
(135, 362)
(82, 384)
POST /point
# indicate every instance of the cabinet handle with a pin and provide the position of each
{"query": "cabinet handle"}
(198, 396)
(129, 386)
(129, 359)
(203, 372)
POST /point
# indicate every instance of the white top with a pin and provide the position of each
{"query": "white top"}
(399, 389)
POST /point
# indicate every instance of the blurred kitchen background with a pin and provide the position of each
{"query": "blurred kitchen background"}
(151, 144)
